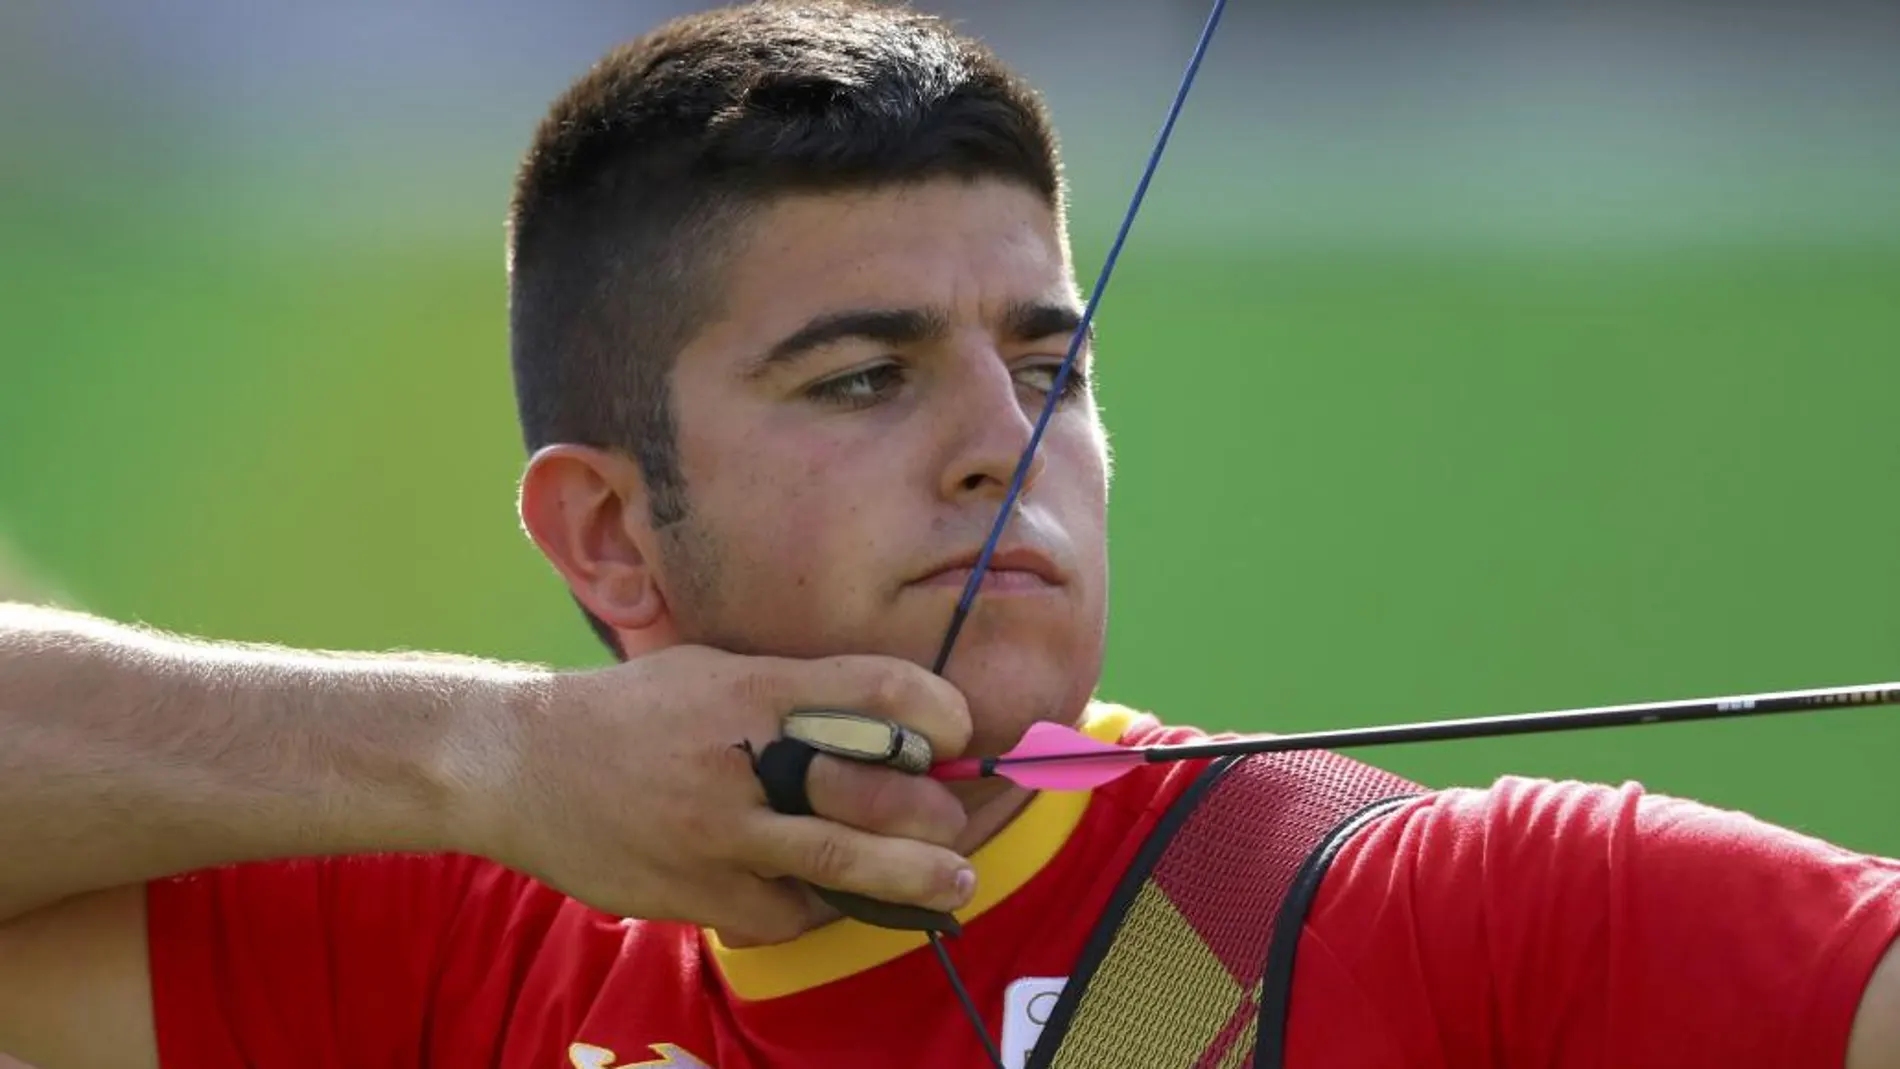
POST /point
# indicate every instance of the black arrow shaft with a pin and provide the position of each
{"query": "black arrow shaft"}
(1793, 701)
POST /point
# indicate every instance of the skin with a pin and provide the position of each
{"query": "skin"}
(825, 490)
(13, 586)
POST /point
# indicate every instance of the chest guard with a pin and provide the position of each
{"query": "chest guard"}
(1191, 964)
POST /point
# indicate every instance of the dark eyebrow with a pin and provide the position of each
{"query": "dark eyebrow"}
(1022, 321)
(1034, 320)
(887, 326)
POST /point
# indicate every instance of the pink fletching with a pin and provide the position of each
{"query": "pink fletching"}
(1050, 757)
(1045, 739)
(1053, 757)
(1073, 774)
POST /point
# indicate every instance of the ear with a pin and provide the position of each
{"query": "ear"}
(586, 510)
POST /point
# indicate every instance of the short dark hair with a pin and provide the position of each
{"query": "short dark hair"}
(642, 171)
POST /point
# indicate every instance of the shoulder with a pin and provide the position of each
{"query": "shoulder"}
(1518, 827)
(1599, 825)
(1530, 902)
(1523, 851)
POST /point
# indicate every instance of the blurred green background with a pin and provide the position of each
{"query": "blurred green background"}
(1363, 476)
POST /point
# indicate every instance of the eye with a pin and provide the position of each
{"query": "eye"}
(859, 388)
(1042, 378)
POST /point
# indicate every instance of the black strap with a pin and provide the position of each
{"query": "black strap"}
(781, 768)
(1276, 994)
(1283, 939)
(1109, 925)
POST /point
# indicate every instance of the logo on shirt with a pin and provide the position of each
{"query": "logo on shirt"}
(1027, 1004)
(671, 1056)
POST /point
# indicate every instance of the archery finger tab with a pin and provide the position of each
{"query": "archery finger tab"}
(889, 914)
(782, 767)
(856, 737)
(897, 692)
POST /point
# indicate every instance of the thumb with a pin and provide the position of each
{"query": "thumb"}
(764, 912)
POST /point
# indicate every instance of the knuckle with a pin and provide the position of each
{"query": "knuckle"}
(921, 809)
(946, 816)
(884, 799)
(885, 802)
(887, 687)
(939, 714)
(829, 860)
(850, 793)
(706, 831)
(957, 727)
(915, 697)
(759, 686)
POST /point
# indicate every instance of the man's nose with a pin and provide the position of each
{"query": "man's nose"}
(994, 429)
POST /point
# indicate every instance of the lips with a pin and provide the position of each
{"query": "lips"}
(1020, 560)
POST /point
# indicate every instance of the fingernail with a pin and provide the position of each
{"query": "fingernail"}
(966, 884)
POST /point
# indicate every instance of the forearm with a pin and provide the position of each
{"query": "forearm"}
(126, 755)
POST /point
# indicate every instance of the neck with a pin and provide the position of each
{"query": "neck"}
(991, 805)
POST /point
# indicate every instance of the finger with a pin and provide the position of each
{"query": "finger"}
(831, 855)
(760, 912)
(886, 687)
(884, 801)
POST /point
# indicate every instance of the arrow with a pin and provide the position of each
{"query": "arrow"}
(1054, 757)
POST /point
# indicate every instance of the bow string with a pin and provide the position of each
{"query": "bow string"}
(968, 598)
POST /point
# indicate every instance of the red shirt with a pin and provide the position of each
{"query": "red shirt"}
(1532, 923)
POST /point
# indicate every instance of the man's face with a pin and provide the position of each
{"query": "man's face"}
(848, 427)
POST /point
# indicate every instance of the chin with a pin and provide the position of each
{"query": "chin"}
(1003, 704)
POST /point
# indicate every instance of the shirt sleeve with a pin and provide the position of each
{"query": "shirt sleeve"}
(1572, 925)
(324, 964)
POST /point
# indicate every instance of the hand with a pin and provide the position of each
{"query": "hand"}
(630, 789)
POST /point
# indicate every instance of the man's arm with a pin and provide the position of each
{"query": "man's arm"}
(1569, 923)
(1875, 1043)
(14, 586)
(132, 756)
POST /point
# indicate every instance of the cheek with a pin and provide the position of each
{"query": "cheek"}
(800, 520)
(1083, 468)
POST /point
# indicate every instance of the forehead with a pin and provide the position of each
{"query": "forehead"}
(969, 249)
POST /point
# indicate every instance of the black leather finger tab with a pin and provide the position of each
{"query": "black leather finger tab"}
(781, 769)
(890, 914)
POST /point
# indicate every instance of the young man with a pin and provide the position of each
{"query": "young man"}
(789, 285)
